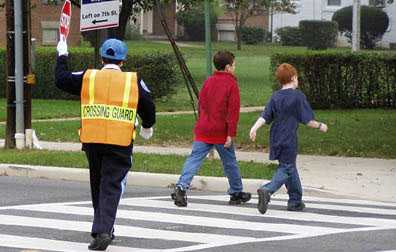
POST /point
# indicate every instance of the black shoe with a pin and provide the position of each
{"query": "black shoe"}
(263, 198)
(112, 235)
(101, 242)
(180, 197)
(239, 197)
(297, 208)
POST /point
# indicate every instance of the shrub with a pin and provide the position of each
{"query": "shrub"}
(373, 24)
(290, 36)
(254, 35)
(157, 69)
(193, 21)
(132, 32)
(319, 35)
(344, 80)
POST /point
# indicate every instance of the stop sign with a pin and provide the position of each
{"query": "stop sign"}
(64, 24)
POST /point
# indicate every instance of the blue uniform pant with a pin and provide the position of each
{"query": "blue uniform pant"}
(199, 152)
(287, 175)
(108, 169)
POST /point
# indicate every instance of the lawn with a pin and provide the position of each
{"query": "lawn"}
(360, 133)
(43, 109)
(170, 164)
(252, 70)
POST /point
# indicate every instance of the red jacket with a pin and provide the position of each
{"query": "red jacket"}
(219, 105)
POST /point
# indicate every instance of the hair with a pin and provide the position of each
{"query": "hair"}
(111, 61)
(222, 59)
(110, 52)
(284, 73)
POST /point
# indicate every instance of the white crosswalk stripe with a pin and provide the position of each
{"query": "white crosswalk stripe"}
(207, 222)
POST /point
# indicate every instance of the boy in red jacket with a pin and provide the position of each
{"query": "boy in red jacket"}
(219, 105)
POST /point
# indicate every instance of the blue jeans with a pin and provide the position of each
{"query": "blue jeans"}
(287, 175)
(193, 163)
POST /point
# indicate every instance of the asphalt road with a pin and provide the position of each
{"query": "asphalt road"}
(48, 215)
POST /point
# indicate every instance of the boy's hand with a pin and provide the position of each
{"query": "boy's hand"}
(252, 134)
(323, 127)
(228, 142)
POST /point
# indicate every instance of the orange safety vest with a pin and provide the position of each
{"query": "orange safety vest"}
(109, 101)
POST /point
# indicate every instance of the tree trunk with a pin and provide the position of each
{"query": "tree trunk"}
(238, 37)
(238, 30)
(126, 12)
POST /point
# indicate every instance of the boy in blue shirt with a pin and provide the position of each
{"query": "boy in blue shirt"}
(285, 110)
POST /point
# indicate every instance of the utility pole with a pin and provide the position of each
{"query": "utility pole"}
(17, 25)
(208, 41)
(356, 26)
(10, 86)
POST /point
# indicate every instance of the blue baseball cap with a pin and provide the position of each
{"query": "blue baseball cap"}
(114, 49)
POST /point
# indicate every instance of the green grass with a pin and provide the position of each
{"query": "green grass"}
(170, 164)
(360, 133)
(44, 109)
(252, 70)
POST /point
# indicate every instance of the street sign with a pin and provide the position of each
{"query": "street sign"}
(99, 14)
(64, 22)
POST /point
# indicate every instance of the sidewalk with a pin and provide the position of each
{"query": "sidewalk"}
(164, 113)
(366, 178)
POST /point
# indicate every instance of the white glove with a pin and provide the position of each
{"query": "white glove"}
(62, 47)
(146, 133)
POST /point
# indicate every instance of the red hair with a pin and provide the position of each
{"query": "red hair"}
(284, 73)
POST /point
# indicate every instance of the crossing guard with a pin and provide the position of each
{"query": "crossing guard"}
(110, 101)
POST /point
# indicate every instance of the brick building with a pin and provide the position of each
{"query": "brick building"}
(226, 24)
(149, 22)
(45, 23)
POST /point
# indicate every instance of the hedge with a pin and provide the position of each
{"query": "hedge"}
(158, 70)
(344, 80)
(319, 34)
(254, 35)
(373, 24)
(290, 36)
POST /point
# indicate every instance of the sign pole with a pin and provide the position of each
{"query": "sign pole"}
(208, 42)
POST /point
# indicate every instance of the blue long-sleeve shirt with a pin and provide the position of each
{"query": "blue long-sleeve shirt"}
(286, 109)
(71, 82)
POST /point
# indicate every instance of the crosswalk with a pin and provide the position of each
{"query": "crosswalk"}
(155, 224)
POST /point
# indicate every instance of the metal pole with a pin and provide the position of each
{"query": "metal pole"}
(208, 46)
(19, 123)
(356, 26)
(208, 42)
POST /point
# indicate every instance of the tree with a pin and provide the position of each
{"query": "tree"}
(373, 24)
(191, 15)
(243, 9)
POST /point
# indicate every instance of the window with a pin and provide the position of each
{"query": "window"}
(333, 2)
(51, 2)
(49, 32)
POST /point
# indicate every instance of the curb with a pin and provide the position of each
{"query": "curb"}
(201, 183)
